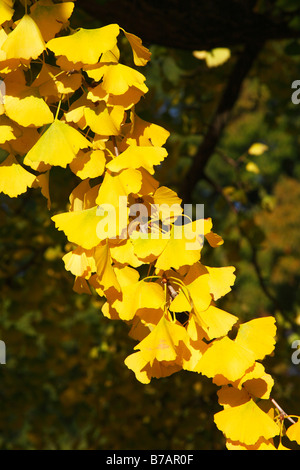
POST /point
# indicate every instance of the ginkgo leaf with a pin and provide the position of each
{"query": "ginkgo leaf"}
(144, 133)
(14, 179)
(76, 112)
(226, 358)
(215, 57)
(6, 11)
(257, 149)
(58, 145)
(128, 99)
(293, 432)
(25, 141)
(8, 130)
(89, 164)
(153, 245)
(51, 82)
(141, 55)
(163, 342)
(258, 383)
(144, 371)
(6, 65)
(104, 120)
(85, 45)
(105, 271)
(28, 108)
(185, 242)
(167, 204)
(229, 396)
(180, 303)
(216, 322)
(51, 17)
(117, 78)
(80, 262)
(137, 363)
(258, 336)
(123, 253)
(246, 423)
(220, 280)
(252, 168)
(136, 157)
(80, 227)
(25, 41)
(119, 186)
(142, 295)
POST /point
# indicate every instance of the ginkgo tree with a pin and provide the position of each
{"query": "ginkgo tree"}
(69, 101)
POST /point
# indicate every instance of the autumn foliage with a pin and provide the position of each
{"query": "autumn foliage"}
(68, 101)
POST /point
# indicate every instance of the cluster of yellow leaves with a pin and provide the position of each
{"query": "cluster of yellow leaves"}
(68, 101)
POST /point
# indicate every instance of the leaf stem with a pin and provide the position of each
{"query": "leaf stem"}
(114, 141)
(282, 412)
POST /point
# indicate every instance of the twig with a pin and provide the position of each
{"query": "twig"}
(283, 414)
(114, 141)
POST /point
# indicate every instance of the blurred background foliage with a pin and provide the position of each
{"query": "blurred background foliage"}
(65, 385)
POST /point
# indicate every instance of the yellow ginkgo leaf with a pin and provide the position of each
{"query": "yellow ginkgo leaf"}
(185, 242)
(6, 11)
(14, 179)
(246, 423)
(258, 383)
(8, 130)
(51, 82)
(141, 295)
(51, 17)
(25, 41)
(128, 99)
(197, 285)
(141, 55)
(144, 133)
(104, 120)
(28, 108)
(105, 271)
(226, 358)
(220, 280)
(80, 227)
(89, 164)
(252, 168)
(85, 45)
(116, 187)
(258, 336)
(123, 253)
(137, 157)
(80, 262)
(117, 78)
(229, 396)
(216, 322)
(257, 149)
(167, 205)
(163, 343)
(58, 145)
(76, 112)
(215, 57)
(25, 141)
(137, 363)
(144, 371)
(293, 432)
(180, 303)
